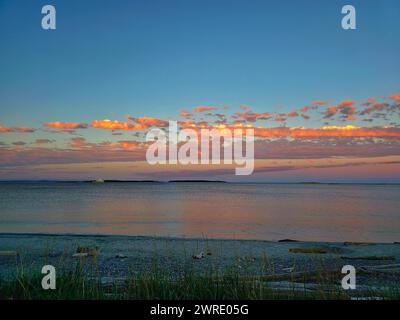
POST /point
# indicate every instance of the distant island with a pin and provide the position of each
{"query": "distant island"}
(124, 181)
(100, 181)
(213, 181)
(153, 181)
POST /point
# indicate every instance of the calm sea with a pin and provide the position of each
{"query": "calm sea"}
(213, 210)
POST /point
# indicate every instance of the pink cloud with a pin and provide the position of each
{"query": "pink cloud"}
(203, 108)
(395, 97)
(151, 122)
(253, 116)
(327, 132)
(185, 114)
(320, 102)
(43, 141)
(16, 129)
(346, 103)
(330, 111)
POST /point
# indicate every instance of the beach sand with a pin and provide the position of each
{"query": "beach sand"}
(281, 263)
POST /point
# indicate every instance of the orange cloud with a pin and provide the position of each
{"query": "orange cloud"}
(346, 103)
(253, 116)
(202, 109)
(278, 132)
(280, 119)
(78, 142)
(128, 144)
(348, 112)
(320, 102)
(395, 97)
(305, 108)
(43, 141)
(328, 131)
(290, 114)
(151, 122)
(245, 108)
(3, 129)
(66, 125)
(346, 131)
(116, 125)
(185, 114)
(187, 123)
(346, 108)
(16, 129)
(379, 106)
(330, 111)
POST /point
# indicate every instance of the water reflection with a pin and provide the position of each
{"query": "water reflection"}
(246, 211)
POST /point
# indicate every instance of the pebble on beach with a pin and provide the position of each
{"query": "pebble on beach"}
(80, 254)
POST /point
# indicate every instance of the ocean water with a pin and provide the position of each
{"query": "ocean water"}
(313, 212)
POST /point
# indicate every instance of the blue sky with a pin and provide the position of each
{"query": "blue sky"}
(111, 58)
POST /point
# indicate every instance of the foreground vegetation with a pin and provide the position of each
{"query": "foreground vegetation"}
(83, 272)
(158, 284)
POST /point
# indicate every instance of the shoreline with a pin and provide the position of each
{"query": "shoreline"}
(174, 252)
(287, 265)
(108, 181)
(90, 235)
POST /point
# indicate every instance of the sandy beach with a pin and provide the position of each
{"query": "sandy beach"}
(281, 263)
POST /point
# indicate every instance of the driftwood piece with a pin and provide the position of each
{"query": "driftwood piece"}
(369, 258)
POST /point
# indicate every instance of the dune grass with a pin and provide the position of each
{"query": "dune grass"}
(77, 285)
(83, 284)
(82, 280)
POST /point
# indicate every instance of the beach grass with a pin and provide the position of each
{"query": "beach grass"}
(88, 270)
(82, 283)
(152, 286)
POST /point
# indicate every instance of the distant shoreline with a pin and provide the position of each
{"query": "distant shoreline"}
(148, 237)
(123, 236)
(204, 181)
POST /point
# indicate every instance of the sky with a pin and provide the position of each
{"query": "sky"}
(76, 102)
